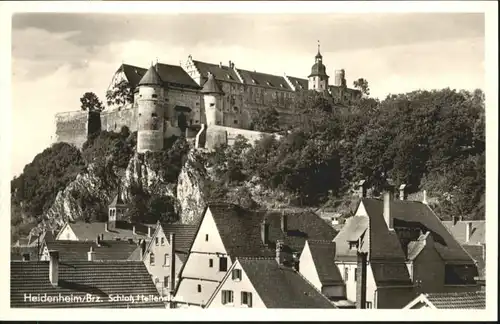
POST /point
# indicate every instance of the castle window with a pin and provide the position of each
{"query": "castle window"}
(235, 109)
(197, 103)
(212, 104)
(196, 121)
(236, 121)
(154, 115)
(154, 95)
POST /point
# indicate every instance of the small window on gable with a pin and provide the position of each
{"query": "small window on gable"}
(156, 240)
(246, 298)
(206, 237)
(162, 241)
(151, 259)
(346, 274)
(227, 297)
(210, 263)
(199, 288)
(236, 274)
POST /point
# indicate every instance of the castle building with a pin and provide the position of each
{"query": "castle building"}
(171, 100)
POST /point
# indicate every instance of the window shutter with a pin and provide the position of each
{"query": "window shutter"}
(223, 295)
(242, 298)
(249, 299)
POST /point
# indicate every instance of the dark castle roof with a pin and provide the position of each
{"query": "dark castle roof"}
(211, 86)
(151, 78)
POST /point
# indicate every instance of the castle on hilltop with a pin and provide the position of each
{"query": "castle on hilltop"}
(199, 99)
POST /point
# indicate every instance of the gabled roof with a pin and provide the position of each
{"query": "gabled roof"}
(184, 237)
(133, 73)
(240, 230)
(385, 244)
(282, 287)
(299, 83)
(151, 78)
(211, 86)
(452, 300)
(79, 278)
(90, 231)
(105, 251)
(222, 73)
(458, 230)
(323, 254)
(264, 80)
(175, 75)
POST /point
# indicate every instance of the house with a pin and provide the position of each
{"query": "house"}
(88, 284)
(391, 250)
(97, 250)
(161, 256)
(317, 265)
(24, 253)
(83, 231)
(33, 240)
(453, 300)
(265, 283)
(472, 236)
(228, 231)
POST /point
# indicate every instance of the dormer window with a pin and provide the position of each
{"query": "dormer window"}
(269, 83)
(229, 77)
(254, 82)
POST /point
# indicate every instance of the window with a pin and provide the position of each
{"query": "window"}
(151, 259)
(355, 274)
(162, 241)
(211, 263)
(199, 288)
(246, 298)
(156, 240)
(166, 281)
(154, 115)
(167, 260)
(227, 297)
(206, 237)
(197, 103)
(346, 274)
(223, 264)
(154, 95)
(212, 104)
(236, 274)
(235, 121)
(368, 304)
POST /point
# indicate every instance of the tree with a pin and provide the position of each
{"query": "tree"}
(90, 102)
(362, 85)
(266, 120)
(120, 95)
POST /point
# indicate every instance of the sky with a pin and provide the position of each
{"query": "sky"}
(57, 57)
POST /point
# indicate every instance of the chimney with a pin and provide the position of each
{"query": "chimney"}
(279, 254)
(172, 263)
(133, 230)
(106, 227)
(54, 267)
(402, 192)
(264, 232)
(220, 65)
(361, 280)
(284, 222)
(91, 254)
(387, 210)
(362, 189)
(424, 199)
(149, 231)
(468, 231)
(230, 64)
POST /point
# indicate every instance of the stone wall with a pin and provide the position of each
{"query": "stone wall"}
(114, 120)
(72, 127)
(217, 135)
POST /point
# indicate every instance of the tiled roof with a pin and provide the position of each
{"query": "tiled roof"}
(282, 287)
(477, 254)
(211, 86)
(388, 273)
(240, 230)
(318, 69)
(384, 244)
(151, 78)
(176, 76)
(90, 231)
(184, 235)
(17, 252)
(458, 230)
(323, 254)
(298, 83)
(106, 250)
(79, 278)
(458, 300)
(222, 73)
(415, 247)
(133, 74)
(357, 227)
(264, 80)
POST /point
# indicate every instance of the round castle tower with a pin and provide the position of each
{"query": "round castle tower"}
(150, 112)
(212, 97)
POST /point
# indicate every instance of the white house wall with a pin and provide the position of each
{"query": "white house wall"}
(307, 267)
(67, 234)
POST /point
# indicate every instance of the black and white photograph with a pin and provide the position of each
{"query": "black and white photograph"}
(182, 156)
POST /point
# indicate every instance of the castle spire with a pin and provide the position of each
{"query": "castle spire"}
(318, 48)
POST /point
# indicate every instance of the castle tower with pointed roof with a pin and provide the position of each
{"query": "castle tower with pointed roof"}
(318, 79)
(212, 97)
(150, 101)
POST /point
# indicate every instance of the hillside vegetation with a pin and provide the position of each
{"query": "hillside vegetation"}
(433, 140)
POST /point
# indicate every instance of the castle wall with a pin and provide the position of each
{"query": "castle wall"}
(71, 127)
(187, 98)
(217, 135)
(113, 121)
